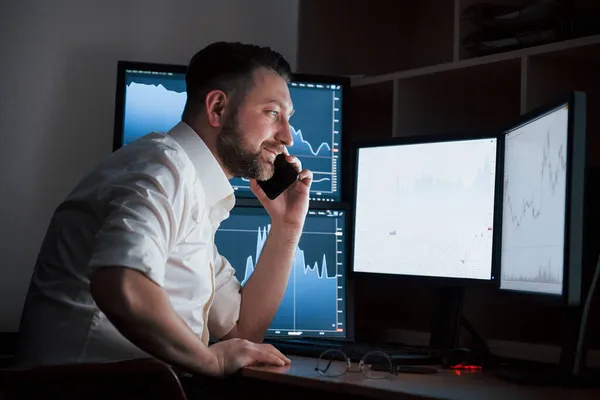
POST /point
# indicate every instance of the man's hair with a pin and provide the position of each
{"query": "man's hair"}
(228, 67)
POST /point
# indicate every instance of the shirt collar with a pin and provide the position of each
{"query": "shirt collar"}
(217, 186)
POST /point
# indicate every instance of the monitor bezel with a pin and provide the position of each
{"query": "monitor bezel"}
(348, 284)
(431, 138)
(575, 193)
(345, 192)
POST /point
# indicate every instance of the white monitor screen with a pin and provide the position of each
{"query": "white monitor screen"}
(426, 209)
(534, 205)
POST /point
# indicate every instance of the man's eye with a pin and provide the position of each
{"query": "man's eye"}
(273, 113)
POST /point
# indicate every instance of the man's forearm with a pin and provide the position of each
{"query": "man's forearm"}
(141, 311)
(262, 294)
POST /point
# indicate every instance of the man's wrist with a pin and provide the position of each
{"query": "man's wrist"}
(210, 364)
(286, 231)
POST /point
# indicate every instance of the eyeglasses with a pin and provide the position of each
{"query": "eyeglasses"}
(375, 364)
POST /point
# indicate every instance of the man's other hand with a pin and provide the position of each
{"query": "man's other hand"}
(234, 354)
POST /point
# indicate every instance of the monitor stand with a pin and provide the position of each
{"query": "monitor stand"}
(446, 317)
(446, 323)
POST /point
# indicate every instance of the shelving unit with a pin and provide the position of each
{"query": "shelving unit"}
(417, 79)
(410, 76)
(483, 92)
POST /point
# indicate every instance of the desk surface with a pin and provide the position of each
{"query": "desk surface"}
(446, 384)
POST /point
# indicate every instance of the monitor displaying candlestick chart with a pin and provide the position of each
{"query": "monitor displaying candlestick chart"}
(314, 303)
(542, 195)
(152, 97)
(426, 207)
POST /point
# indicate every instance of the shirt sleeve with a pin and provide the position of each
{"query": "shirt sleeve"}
(140, 221)
(225, 311)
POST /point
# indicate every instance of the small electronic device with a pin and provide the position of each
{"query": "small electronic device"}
(285, 174)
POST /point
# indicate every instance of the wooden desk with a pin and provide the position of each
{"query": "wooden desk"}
(446, 384)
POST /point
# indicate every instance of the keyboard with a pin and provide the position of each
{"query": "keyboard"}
(400, 354)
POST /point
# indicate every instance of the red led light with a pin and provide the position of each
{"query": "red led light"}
(466, 367)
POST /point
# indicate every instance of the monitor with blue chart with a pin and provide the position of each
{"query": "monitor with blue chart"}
(314, 304)
(151, 97)
(543, 200)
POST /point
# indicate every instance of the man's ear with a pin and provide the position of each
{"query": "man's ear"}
(216, 102)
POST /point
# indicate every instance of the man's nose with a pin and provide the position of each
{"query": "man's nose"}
(284, 134)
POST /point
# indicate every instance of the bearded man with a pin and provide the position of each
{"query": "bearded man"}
(129, 268)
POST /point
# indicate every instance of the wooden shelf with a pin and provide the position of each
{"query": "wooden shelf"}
(459, 100)
(350, 37)
(584, 45)
(371, 111)
(488, 92)
(417, 80)
(464, 28)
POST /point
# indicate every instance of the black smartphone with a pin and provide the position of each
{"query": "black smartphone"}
(285, 174)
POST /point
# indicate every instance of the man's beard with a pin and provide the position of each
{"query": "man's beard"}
(232, 150)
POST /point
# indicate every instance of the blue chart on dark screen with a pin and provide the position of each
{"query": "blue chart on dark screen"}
(314, 300)
(154, 101)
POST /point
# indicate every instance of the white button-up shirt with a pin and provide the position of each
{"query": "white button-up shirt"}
(153, 206)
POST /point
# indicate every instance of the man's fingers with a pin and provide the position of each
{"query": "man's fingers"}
(306, 176)
(262, 355)
(257, 190)
(279, 354)
(272, 351)
(295, 162)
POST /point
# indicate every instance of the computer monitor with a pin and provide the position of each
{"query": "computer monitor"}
(426, 208)
(151, 97)
(543, 199)
(315, 300)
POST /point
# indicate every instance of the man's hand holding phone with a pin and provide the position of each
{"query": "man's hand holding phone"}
(289, 208)
(263, 292)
